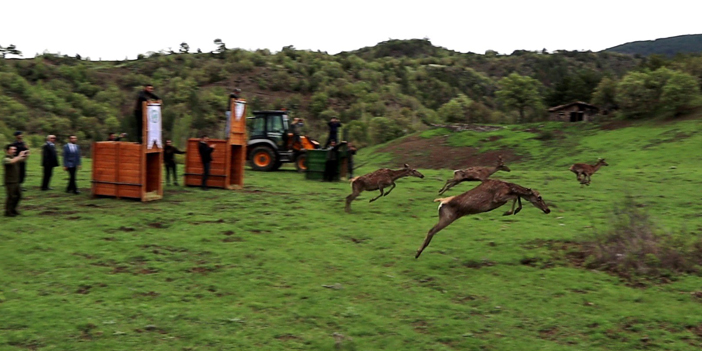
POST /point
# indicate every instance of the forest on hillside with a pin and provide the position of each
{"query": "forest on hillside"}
(379, 93)
(681, 44)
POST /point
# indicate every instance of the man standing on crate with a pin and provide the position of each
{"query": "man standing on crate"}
(206, 158)
(169, 153)
(145, 95)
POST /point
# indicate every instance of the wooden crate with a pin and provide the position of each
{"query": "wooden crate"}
(228, 157)
(128, 170)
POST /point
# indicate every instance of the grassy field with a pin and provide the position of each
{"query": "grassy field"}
(280, 266)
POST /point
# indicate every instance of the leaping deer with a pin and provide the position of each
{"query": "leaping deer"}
(474, 174)
(378, 180)
(584, 171)
(487, 196)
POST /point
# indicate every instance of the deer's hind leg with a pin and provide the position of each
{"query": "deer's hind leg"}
(350, 198)
(444, 220)
(393, 187)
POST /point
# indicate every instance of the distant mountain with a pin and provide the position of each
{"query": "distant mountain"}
(691, 43)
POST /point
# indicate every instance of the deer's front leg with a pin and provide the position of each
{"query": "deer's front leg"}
(512, 210)
(519, 208)
(449, 183)
(379, 196)
(393, 187)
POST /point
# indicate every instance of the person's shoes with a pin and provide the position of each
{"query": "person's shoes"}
(77, 192)
(16, 213)
(10, 214)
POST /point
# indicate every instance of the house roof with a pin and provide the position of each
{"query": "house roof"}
(556, 108)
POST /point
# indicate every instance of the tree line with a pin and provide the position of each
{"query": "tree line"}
(380, 93)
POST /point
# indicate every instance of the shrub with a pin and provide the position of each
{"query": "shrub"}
(636, 247)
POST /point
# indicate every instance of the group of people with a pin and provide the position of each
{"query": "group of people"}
(15, 165)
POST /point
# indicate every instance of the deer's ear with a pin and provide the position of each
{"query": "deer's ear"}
(407, 166)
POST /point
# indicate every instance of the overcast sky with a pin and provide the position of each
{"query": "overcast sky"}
(113, 30)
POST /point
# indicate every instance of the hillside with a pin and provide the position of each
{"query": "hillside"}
(682, 44)
(382, 92)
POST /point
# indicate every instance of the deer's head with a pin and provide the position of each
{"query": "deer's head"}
(501, 165)
(534, 197)
(413, 172)
(602, 162)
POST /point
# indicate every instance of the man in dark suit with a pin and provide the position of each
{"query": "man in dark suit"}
(21, 146)
(206, 158)
(71, 163)
(49, 160)
(169, 153)
(145, 95)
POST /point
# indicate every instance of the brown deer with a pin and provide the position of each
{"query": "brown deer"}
(474, 174)
(487, 196)
(378, 180)
(584, 171)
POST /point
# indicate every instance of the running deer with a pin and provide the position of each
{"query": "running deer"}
(584, 171)
(378, 180)
(474, 174)
(487, 196)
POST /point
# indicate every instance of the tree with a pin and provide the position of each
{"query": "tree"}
(679, 92)
(221, 47)
(605, 94)
(519, 92)
(10, 50)
(184, 48)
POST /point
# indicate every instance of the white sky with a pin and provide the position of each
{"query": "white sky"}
(113, 30)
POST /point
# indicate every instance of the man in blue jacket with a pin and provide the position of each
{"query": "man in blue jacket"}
(71, 163)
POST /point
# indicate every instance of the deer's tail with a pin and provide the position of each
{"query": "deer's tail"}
(352, 180)
(443, 201)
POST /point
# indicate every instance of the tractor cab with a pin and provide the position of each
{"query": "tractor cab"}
(271, 142)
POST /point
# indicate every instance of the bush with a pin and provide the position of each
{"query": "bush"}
(635, 247)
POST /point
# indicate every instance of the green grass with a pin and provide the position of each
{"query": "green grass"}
(247, 270)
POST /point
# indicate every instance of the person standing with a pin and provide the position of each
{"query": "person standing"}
(21, 146)
(296, 128)
(49, 160)
(169, 153)
(331, 167)
(334, 125)
(71, 163)
(11, 163)
(349, 163)
(114, 137)
(206, 158)
(145, 95)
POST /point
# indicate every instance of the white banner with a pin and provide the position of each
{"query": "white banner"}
(239, 109)
(153, 116)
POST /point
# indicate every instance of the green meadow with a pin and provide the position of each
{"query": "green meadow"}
(280, 266)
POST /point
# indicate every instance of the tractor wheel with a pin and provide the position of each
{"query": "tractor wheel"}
(263, 158)
(301, 162)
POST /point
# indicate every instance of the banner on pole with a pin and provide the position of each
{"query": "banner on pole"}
(153, 116)
(239, 109)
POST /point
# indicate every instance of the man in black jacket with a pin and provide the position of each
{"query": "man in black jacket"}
(331, 167)
(21, 146)
(145, 95)
(206, 158)
(49, 160)
(334, 125)
(169, 153)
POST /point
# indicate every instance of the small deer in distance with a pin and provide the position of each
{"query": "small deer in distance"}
(378, 180)
(487, 196)
(474, 174)
(584, 171)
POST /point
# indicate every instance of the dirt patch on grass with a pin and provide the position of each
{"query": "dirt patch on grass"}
(435, 153)
(56, 213)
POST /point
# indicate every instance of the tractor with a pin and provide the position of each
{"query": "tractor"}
(271, 142)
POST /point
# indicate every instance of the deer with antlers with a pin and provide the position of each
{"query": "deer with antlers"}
(487, 196)
(584, 171)
(474, 174)
(378, 180)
